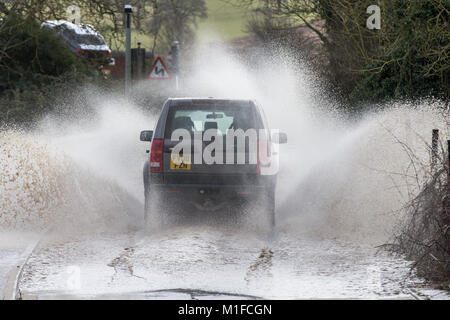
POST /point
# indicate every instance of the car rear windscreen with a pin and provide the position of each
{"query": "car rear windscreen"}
(201, 117)
(84, 38)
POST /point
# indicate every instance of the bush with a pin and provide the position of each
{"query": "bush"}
(32, 56)
(24, 107)
(35, 66)
(412, 59)
(406, 59)
(425, 237)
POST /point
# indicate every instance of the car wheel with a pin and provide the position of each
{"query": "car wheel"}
(270, 210)
(153, 216)
(146, 206)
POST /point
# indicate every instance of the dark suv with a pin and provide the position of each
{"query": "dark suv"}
(229, 158)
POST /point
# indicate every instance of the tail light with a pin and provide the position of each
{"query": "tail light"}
(109, 52)
(80, 51)
(263, 155)
(156, 155)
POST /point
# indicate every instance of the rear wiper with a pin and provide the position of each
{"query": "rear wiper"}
(214, 115)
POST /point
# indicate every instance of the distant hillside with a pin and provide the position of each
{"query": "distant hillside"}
(300, 37)
(224, 22)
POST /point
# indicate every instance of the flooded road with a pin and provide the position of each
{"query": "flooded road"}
(331, 216)
(194, 262)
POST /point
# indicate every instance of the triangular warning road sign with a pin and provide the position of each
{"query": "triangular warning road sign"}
(158, 71)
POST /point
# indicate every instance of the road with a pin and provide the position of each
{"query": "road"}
(207, 262)
(332, 216)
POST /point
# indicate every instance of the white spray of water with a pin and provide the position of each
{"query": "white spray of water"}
(110, 144)
(337, 178)
(42, 186)
(356, 190)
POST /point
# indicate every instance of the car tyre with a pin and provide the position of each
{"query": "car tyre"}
(153, 216)
(270, 210)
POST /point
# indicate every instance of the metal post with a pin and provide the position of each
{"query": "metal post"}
(434, 148)
(127, 10)
(175, 53)
(140, 60)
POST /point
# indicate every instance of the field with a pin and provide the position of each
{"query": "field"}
(224, 21)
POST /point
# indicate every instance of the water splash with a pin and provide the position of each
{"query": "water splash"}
(41, 186)
(339, 178)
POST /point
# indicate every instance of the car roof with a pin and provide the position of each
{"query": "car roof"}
(78, 29)
(210, 100)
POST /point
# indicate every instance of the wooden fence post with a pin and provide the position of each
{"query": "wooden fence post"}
(434, 148)
(448, 174)
(447, 196)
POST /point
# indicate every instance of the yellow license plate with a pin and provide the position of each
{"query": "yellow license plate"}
(178, 162)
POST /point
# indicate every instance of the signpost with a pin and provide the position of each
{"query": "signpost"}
(159, 71)
(175, 52)
(128, 10)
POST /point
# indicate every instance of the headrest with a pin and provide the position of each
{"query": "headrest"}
(183, 123)
(210, 125)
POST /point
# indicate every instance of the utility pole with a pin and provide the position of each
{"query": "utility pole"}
(128, 10)
(175, 53)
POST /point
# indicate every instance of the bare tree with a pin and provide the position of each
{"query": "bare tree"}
(164, 20)
(413, 42)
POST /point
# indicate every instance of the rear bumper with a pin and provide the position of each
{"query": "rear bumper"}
(207, 197)
(219, 191)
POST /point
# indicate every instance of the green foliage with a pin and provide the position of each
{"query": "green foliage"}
(407, 58)
(31, 56)
(24, 107)
(34, 65)
(412, 60)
